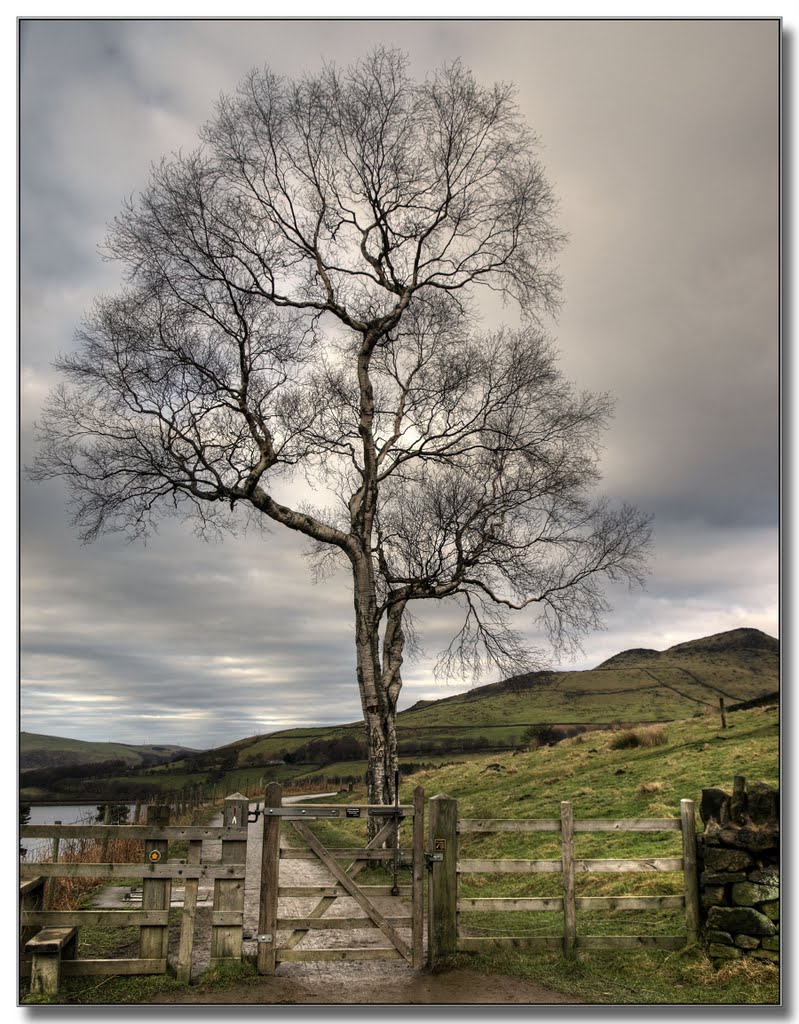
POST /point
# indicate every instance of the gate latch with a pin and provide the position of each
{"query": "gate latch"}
(253, 814)
(263, 937)
(432, 858)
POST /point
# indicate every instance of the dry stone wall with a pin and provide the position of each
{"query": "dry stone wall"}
(739, 882)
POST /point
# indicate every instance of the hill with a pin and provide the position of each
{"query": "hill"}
(40, 751)
(635, 686)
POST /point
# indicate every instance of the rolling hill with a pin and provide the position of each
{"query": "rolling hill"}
(638, 685)
(635, 686)
(39, 751)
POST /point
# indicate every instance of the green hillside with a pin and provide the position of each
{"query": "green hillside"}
(39, 751)
(635, 686)
(602, 779)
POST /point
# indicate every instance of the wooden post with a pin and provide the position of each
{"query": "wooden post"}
(31, 897)
(189, 913)
(723, 713)
(567, 865)
(690, 874)
(442, 931)
(137, 813)
(738, 801)
(270, 877)
(52, 883)
(156, 893)
(417, 886)
(229, 892)
(104, 845)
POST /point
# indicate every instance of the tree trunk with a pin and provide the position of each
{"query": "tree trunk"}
(378, 683)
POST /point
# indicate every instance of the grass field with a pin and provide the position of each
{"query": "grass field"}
(601, 780)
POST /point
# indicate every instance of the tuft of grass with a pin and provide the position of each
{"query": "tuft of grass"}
(646, 736)
(651, 787)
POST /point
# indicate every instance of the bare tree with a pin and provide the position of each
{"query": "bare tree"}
(298, 299)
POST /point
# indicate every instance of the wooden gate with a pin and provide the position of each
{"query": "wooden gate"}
(385, 847)
(157, 870)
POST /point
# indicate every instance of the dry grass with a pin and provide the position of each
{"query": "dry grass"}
(645, 736)
(651, 787)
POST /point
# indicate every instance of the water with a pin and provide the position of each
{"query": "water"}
(67, 814)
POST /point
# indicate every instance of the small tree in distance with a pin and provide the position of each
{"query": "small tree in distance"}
(300, 302)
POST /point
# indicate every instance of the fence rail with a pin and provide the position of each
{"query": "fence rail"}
(44, 965)
(447, 929)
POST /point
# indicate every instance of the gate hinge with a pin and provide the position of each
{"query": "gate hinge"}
(263, 937)
(433, 858)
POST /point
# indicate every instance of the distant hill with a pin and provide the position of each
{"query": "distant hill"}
(635, 685)
(40, 751)
(638, 685)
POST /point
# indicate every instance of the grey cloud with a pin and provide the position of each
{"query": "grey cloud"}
(661, 140)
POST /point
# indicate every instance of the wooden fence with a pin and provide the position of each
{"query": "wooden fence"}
(447, 935)
(157, 872)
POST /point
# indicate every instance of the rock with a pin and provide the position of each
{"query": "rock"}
(762, 803)
(712, 895)
(750, 837)
(747, 894)
(771, 942)
(714, 806)
(744, 920)
(747, 941)
(726, 860)
(771, 910)
(725, 952)
(716, 936)
(722, 877)
(768, 876)
(762, 954)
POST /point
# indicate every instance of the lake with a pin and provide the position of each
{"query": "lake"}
(67, 814)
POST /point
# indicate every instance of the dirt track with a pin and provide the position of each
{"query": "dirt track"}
(345, 982)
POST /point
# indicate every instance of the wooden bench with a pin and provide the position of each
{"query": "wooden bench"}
(46, 949)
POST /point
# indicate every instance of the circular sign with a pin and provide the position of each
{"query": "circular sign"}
(154, 855)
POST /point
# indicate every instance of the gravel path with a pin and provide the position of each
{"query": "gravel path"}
(306, 872)
(343, 982)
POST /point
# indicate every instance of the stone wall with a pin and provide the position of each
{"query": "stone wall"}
(739, 881)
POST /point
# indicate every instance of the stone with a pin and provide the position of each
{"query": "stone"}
(743, 920)
(750, 837)
(716, 936)
(714, 806)
(726, 860)
(771, 910)
(713, 895)
(726, 952)
(747, 941)
(771, 942)
(762, 954)
(768, 876)
(747, 894)
(762, 803)
(721, 877)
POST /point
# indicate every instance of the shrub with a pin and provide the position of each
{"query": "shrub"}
(648, 736)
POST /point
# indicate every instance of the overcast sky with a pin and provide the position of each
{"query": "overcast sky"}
(661, 139)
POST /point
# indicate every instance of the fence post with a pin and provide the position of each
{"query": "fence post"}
(270, 879)
(156, 893)
(137, 813)
(52, 882)
(442, 931)
(723, 713)
(229, 892)
(104, 844)
(567, 866)
(690, 875)
(418, 879)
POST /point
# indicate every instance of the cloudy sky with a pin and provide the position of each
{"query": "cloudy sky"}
(661, 139)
